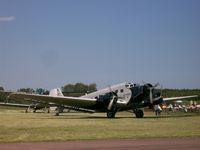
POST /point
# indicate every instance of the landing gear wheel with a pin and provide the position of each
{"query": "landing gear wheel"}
(111, 114)
(139, 113)
(112, 106)
(57, 114)
(57, 111)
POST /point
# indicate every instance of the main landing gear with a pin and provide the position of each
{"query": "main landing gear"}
(138, 113)
(59, 110)
(112, 106)
(111, 113)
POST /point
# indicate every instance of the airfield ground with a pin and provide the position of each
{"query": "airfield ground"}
(19, 130)
(17, 126)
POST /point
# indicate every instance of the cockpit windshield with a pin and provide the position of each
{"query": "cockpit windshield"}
(129, 85)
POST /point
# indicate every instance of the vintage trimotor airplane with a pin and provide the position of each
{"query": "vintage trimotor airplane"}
(120, 97)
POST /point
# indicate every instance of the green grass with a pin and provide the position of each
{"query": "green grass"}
(17, 126)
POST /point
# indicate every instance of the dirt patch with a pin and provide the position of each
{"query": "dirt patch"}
(138, 144)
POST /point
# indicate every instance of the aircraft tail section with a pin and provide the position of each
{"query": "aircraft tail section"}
(56, 92)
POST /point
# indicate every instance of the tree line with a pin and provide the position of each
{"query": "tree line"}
(77, 89)
(180, 92)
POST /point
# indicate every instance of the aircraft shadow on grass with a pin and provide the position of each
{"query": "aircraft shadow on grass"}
(120, 117)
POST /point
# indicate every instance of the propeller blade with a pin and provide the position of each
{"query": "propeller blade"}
(113, 101)
(114, 98)
(110, 104)
(151, 95)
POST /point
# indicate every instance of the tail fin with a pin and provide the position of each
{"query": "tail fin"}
(56, 92)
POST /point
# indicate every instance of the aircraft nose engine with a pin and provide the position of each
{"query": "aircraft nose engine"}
(154, 97)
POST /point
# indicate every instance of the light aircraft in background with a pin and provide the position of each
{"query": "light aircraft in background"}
(29, 107)
(119, 97)
(33, 106)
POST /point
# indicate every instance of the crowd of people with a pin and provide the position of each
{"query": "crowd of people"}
(176, 107)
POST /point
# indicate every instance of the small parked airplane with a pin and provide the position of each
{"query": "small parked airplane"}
(29, 107)
(120, 97)
(32, 106)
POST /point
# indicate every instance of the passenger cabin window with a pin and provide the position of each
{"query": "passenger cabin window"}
(122, 90)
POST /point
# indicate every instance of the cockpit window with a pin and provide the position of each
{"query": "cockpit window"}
(128, 85)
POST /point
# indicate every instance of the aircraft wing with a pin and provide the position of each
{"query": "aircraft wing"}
(59, 100)
(14, 105)
(178, 98)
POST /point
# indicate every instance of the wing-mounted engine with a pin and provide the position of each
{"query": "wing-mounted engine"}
(108, 101)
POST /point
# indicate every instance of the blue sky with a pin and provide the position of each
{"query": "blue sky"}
(51, 43)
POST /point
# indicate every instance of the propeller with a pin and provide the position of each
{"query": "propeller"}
(113, 100)
(151, 87)
(151, 95)
(157, 84)
(161, 90)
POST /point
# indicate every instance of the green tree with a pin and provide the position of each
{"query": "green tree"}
(46, 92)
(1, 88)
(181, 92)
(40, 91)
(92, 87)
(26, 90)
(78, 89)
(69, 88)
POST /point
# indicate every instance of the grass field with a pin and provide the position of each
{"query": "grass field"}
(17, 126)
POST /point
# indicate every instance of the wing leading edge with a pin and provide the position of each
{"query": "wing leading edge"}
(178, 98)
